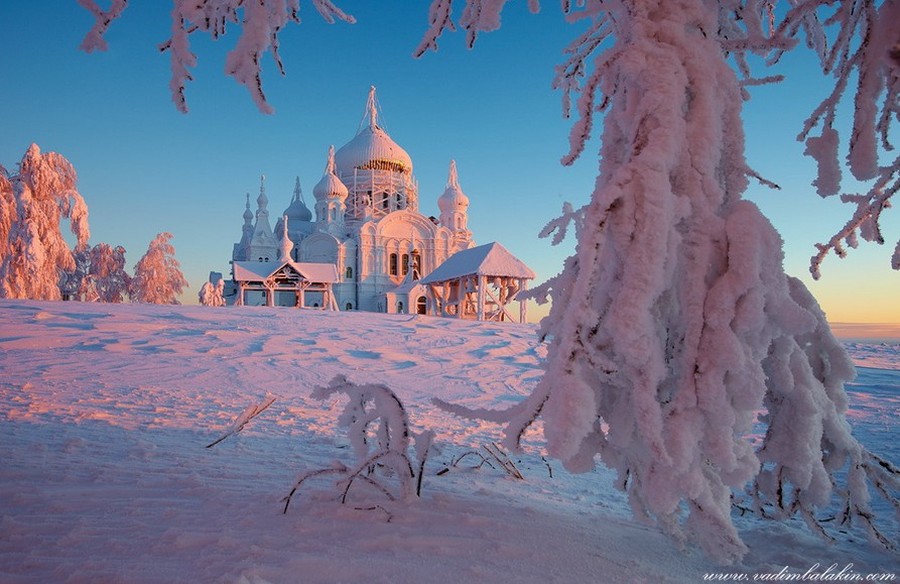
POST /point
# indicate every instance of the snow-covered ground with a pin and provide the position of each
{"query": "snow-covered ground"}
(105, 412)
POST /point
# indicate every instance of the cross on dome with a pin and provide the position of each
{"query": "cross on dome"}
(453, 178)
(371, 112)
(262, 200)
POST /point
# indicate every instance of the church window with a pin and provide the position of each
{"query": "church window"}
(421, 305)
(404, 261)
(349, 273)
(392, 264)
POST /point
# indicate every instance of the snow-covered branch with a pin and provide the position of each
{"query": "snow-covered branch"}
(244, 418)
(378, 429)
(478, 16)
(864, 222)
(876, 107)
(93, 40)
(260, 20)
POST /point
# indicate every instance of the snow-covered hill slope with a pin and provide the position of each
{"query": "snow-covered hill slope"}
(105, 412)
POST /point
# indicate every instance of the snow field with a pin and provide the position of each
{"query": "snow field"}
(105, 412)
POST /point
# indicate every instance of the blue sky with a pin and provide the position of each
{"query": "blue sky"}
(144, 167)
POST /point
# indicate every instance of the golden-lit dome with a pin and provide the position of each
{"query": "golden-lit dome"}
(372, 148)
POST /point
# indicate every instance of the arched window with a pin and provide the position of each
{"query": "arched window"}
(349, 273)
(421, 305)
(349, 305)
(404, 263)
(392, 264)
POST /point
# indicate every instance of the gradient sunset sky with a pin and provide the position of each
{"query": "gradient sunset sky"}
(144, 167)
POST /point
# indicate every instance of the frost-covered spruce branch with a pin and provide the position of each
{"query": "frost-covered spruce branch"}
(674, 322)
(378, 428)
(874, 59)
(260, 21)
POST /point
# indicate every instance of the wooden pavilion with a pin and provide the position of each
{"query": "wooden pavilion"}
(479, 283)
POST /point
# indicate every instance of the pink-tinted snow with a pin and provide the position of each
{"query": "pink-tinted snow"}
(105, 412)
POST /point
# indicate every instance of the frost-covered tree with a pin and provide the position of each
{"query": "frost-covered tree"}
(99, 275)
(107, 274)
(7, 210)
(674, 324)
(33, 251)
(157, 276)
(213, 294)
(72, 282)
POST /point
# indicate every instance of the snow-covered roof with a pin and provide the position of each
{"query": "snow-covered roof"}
(258, 271)
(372, 148)
(490, 259)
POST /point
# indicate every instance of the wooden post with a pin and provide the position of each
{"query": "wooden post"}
(523, 285)
(481, 284)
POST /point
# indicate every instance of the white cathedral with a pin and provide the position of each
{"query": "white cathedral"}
(369, 248)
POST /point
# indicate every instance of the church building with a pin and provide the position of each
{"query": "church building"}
(366, 228)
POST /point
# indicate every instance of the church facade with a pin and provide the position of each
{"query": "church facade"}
(365, 222)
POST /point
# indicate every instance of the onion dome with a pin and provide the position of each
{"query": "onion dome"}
(262, 201)
(372, 148)
(297, 211)
(453, 198)
(248, 214)
(330, 187)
